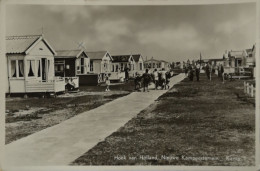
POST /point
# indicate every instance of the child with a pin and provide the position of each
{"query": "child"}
(168, 76)
(156, 78)
(138, 80)
(107, 82)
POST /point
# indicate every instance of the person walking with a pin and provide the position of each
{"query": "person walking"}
(146, 80)
(156, 78)
(186, 71)
(107, 82)
(191, 73)
(163, 78)
(197, 70)
(126, 73)
(168, 76)
(138, 81)
(207, 71)
(222, 73)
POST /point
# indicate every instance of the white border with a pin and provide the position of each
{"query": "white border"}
(123, 2)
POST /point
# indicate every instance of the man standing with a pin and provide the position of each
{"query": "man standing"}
(163, 76)
(222, 73)
(207, 71)
(156, 78)
(146, 79)
(198, 72)
(191, 72)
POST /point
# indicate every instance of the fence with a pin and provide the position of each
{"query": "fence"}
(249, 89)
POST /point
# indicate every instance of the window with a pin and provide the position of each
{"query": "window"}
(113, 68)
(91, 65)
(39, 68)
(17, 69)
(81, 66)
(141, 66)
(122, 66)
(13, 68)
(31, 68)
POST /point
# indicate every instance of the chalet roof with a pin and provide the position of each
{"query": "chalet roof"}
(136, 57)
(22, 44)
(164, 61)
(217, 59)
(249, 51)
(98, 55)
(236, 54)
(69, 53)
(121, 58)
(153, 60)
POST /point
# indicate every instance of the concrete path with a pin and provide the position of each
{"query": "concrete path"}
(63, 143)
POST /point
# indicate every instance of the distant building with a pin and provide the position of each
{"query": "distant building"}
(138, 63)
(120, 62)
(100, 67)
(157, 64)
(100, 62)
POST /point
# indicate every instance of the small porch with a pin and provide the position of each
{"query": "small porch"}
(50, 86)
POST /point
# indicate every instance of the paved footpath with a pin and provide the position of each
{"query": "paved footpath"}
(63, 143)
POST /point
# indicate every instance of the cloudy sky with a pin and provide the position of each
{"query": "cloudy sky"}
(173, 33)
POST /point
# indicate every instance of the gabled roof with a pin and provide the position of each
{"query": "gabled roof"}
(23, 44)
(217, 59)
(69, 53)
(236, 54)
(153, 60)
(121, 58)
(164, 61)
(249, 51)
(98, 55)
(136, 57)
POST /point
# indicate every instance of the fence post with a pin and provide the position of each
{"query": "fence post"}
(247, 88)
(252, 90)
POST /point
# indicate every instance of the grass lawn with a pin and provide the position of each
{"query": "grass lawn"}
(27, 116)
(195, 123)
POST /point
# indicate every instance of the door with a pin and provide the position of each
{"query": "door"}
(44, 69)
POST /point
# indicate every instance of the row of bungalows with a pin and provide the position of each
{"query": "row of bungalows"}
(33, 66)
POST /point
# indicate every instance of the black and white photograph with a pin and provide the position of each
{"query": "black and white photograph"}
(131, 85)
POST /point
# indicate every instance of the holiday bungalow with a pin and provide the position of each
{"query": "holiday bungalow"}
(119, 64)
(138, 63)
(71, 64)
(153, 64)
(100, 67)
(236, 58)
(30, 65)
(166, 65)
(156, 64)
(250, 57)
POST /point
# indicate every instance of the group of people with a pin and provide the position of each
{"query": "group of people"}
(189, 71)
(159, 78)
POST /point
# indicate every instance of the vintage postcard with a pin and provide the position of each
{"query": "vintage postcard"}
(130, 85)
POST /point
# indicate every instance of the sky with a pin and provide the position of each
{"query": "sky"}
(171, 33)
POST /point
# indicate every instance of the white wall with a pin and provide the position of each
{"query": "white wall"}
(40, 49)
